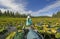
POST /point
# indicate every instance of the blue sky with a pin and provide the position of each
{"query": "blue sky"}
(33, 7)
(38, 4)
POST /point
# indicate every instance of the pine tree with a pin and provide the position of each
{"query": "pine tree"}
(17, 14)
(0, 13)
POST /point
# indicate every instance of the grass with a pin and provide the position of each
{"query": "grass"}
(35, 20)
(17, 21)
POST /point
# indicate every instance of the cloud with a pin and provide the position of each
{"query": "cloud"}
(21, 7)
(15, 6)
(48, 8)
(11, 5)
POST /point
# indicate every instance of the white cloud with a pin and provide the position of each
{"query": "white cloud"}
(52, 6)
(48, 8)
(21, 7)
(12, 5)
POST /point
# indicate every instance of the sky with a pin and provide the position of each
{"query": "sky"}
(33, 7)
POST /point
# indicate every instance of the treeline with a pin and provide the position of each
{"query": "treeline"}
(18, 15)
(11, 14)
(56, 15)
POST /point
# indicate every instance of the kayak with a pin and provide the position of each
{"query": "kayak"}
(33, 35)
(30, 35)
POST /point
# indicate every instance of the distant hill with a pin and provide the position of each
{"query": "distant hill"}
(41, 17)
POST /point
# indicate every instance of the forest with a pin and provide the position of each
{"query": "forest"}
(18, 15)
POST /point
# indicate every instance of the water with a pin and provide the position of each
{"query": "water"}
(58, 30)
(31, 33)
(4, 34)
